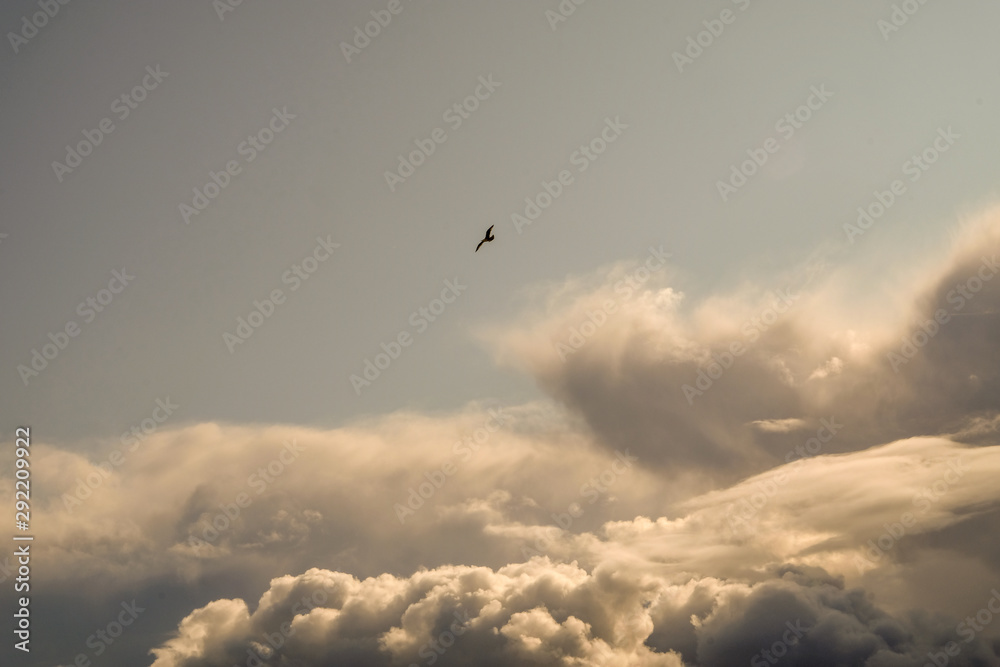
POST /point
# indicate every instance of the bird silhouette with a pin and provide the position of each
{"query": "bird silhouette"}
(489, 237)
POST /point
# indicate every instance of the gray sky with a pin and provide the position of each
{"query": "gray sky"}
(841, 109)
(163, 336)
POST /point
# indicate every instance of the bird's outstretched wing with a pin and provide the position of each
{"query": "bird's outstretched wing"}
(488, 237)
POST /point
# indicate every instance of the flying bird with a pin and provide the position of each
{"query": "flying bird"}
(489, 237)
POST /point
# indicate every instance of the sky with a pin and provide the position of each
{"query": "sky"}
(721, 390)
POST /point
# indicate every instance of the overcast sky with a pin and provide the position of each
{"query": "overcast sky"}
(720, 231)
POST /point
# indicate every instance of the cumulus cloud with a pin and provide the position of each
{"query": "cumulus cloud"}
(546, 613)
(537, 612)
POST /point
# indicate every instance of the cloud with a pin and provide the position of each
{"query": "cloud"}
(615, 588)
(812, 480)
(779, 425)
(679, 380)
(537, 612)
(230, 498)
(546, 613)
